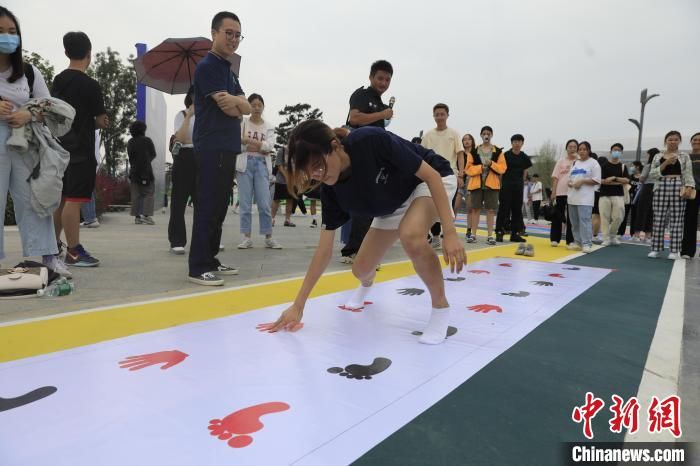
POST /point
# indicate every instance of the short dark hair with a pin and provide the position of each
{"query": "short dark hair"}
(381, 65)
(673, 133)
(569, 142)
(652, 152)
(416, 140)
(221, 16)
(254, 96)
(637, 164)
(517, 137)
(535, 175)
(189, 96)
(77, 45)
(617, 144)
(16, 59)
(137, 128)
(486, 128)
(441, 106)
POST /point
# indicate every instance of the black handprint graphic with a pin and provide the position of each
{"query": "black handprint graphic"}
(519, 294)
(410, 291)
(541, 283)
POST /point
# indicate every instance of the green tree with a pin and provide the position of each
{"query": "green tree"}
(545, 161)
(47, 70)
(118, 82)
(293, 115)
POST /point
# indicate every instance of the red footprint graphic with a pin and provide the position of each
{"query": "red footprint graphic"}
(485, 308)
(354, 309)
(479, 271)
(556, 275)
(506, 265)
(242, 422)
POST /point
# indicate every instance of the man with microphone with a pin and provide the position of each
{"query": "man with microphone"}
(368, 109)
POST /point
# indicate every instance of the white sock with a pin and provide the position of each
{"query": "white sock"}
(357, 300)
(436, 331)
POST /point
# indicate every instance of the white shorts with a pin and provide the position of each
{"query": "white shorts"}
(393, 220)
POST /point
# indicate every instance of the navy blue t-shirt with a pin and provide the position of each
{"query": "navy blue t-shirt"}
(383, 176)
(214, 131)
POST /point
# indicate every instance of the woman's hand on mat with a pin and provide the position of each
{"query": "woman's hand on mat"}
(290, 320)
(453, 252)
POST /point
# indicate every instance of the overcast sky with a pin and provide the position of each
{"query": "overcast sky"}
(550, 69)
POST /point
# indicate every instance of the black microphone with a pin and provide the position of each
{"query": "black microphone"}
(392, 101)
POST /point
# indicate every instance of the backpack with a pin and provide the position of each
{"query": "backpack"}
(29, 74)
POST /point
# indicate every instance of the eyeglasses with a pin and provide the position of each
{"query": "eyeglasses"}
(233, 35)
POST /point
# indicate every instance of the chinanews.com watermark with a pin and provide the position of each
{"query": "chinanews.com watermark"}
(627, 416)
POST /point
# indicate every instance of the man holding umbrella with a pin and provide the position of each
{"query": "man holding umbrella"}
(219, 105)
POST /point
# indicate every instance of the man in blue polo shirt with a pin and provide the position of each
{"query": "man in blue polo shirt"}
(219, 104)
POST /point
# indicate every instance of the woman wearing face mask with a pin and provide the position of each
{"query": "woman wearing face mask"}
(37, 233)
(253, 173)
(614, 178)
(673, 173)
(560, 189)
(690, 231)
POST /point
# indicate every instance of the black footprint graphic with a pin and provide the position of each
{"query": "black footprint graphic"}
(450, 331)
(455, 279)
(360, 372)
(541, 283)
(411, 291)
(572, 268)
(35, 395)
(519, 294)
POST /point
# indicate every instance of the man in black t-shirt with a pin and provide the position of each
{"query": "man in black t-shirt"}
(367, 109)
(511, 195)
(85, 95)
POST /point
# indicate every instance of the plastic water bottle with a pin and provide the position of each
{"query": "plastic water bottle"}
(60, 287)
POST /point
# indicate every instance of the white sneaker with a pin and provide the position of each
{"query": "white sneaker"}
(674, 256)
(605, 243)
(272, 243)
(653, 254)
(554, 244)
(587, 249)
(93, 224)
(573, 247)
(685, 256)
(57, 265)
(222, 247)
(179, 250)
(246, 244)
(615, 240)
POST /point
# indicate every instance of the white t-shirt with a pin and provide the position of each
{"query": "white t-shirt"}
(537, 186)
(583, 170)
(446, 143)
(179, 118)
(18, 92)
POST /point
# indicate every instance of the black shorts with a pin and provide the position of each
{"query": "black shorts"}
(79, 181)
(595, 204)
(314, 194)
(281, 192)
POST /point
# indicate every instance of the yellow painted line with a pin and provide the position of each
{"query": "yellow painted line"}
(33, 338)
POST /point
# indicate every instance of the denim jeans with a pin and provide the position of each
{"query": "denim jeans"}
(255, 180)
(87, 210)
(37, 233)
(581, 223)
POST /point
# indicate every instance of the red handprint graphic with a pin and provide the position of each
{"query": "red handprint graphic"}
(505, 265)
(479, 271)
(556, 275)
(167, 358)
(355, 309)
(242, 422)
(485, 308)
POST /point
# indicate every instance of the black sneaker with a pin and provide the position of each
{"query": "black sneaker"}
(225, 270)
(499, 237)
(313, 223)
(517, 239)
(206, 279)
(79, 257)
(523, 234)
(288, 223)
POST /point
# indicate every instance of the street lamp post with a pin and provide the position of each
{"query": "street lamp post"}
(640, 124)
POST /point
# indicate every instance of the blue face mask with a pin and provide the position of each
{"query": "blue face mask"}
(616, 154)
(9, 43)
